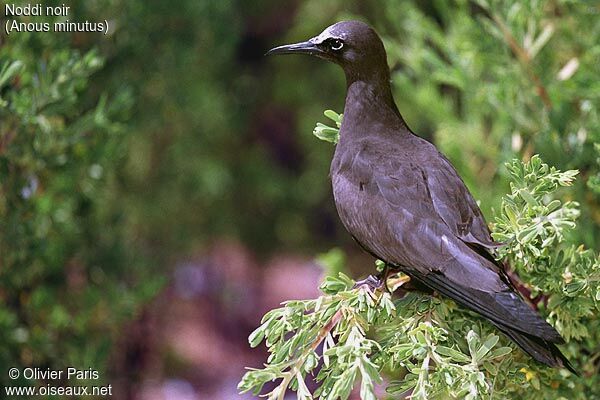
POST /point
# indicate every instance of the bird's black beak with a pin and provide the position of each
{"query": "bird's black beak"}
(307, 47)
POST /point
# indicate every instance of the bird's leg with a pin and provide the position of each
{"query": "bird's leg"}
(384, 275)
(378, 281)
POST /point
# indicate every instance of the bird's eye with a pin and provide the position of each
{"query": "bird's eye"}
(336, 44)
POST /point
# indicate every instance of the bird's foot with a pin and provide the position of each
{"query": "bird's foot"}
(372, 282)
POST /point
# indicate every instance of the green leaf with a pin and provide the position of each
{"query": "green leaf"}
(335, 117)
(473, 342)
(256, 337)
(500, 352)
(490, 368)
(399, 387)
(525, 195)
(326, 133)
(485, 348)
(453, 354)
(343, 385)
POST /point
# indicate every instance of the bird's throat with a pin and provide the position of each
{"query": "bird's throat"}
(369, 103)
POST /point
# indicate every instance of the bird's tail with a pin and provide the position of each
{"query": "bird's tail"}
(541, 350)
(497, 308)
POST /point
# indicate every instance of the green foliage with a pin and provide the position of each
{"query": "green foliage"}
(534, 223)
(67, 276)
(340, 320)
(328, 133)
(428, 347)
(534, 226)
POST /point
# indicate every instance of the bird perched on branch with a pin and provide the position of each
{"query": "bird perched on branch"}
(404, 202)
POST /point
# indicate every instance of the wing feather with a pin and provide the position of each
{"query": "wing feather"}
(455, 204)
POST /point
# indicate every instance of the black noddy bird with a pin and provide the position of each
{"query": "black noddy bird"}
(404, 202)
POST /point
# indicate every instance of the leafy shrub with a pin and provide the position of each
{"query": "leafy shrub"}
(68, 280)
(437, 349)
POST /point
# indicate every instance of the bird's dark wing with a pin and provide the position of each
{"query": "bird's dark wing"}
(504, 308)
(454, 203)
(453, 268)
(387, 205)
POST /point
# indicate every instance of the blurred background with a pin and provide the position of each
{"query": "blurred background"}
(160, 188)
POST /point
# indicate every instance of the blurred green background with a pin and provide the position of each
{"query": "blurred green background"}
(160, 186)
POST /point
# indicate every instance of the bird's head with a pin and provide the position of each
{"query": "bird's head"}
(353, 45)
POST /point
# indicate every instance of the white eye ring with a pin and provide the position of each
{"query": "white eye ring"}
(336, 44)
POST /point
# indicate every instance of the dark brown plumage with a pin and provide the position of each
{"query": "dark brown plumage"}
(404, 202)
